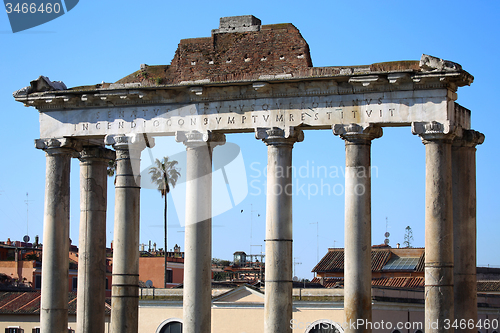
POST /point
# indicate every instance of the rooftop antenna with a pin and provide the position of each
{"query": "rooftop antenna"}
(387, 234)
(251, 224)
(27, 201)
(294, 264)
(317, 240)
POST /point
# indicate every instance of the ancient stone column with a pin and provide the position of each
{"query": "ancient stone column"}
(357, 268)
(55, 254)
(125, 287)
(197, 297)
(91, 290)
(439, 299)
(278, 276)
(463, 154)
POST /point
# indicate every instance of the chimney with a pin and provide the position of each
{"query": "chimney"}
(397, 245)
(9, 242)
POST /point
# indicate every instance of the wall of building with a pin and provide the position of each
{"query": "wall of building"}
(19, 270)
(30, 321)
(152, 268)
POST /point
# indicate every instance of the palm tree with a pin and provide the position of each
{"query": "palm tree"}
(164, 175)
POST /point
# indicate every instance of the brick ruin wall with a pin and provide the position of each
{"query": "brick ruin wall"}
(275, 49)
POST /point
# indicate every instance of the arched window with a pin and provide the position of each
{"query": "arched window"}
(396, 331)
(172, 325)
(324, 326)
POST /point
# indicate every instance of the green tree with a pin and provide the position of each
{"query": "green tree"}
(408, 237)
(165, 175)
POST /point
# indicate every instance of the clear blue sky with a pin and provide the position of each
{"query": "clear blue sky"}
(107, 40)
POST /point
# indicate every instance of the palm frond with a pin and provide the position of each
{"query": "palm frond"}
(165, 175)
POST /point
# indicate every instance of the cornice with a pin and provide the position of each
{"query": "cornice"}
(228, 91)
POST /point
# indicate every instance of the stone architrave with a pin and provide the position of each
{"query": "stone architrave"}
(125, 287)
(439, 294)
(463, 154)
(197, 294)
(278, 283)
(92, 243)
(357, 270)
(55, 254)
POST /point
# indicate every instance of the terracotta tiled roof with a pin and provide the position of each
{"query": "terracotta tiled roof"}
(330, 282)
(17, 302)
(379, 259)
(400, 282)
(20, 302)
(488, 286)
(333, 261)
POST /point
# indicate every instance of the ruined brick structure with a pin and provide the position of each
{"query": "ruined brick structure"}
(238, 48)
(242, 49)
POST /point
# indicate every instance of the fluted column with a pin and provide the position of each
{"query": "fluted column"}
(92, 244)
(278, 277)
(439, 299)
(55, 254)
(357, 270)
(197, 298)
(463, 154)
(125, 287)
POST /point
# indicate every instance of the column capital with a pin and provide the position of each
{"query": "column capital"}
(127, 142)
(468, 138)
(193, 139)
(96, 153)
(433, 131)
(357, 134)
(59, 146)
(276, 136)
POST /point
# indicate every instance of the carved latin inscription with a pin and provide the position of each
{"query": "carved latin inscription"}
(246, 115)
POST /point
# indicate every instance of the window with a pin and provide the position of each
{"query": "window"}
(107, 284)
(169, 276)
(35, 330)
(38, 281)
(324, 326)
(14, 329)
(75, 283)
(172, 325)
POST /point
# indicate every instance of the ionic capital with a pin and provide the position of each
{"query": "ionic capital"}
(96, 153)
(129, 142)
(433, 131)
(357, 134)
(59, 146)
(275, 136)
(469, 139)
(194, 139)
